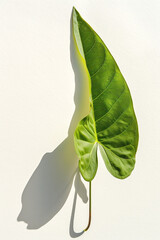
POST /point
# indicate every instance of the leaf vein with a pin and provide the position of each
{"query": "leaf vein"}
(122, 146)
(115, 120)
(115, 154)
(122, 131)
(90, 153)
(99, 67)
(111, 106)
(91, 47)
(106, 87)
(87, 131)
(81, 140)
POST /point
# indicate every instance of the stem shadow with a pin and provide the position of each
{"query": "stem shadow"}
(82, 192)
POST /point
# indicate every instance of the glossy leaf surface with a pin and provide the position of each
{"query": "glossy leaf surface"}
(111, 122)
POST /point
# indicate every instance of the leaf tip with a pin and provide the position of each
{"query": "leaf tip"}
(74, 11)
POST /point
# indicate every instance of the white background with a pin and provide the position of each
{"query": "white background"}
(37, 102)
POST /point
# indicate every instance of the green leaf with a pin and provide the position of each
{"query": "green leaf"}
(111, 122)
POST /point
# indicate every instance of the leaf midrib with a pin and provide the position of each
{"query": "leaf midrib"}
(94, 122)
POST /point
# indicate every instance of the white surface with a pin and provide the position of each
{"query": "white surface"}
(37, 86)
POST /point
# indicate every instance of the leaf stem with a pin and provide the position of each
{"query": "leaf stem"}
(89, 221)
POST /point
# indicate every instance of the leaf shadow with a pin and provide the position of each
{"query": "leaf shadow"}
(49, 186)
